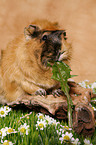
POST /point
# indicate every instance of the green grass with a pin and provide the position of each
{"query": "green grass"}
(34, 137)
(49, 134)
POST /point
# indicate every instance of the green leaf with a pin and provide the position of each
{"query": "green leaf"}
(48, 64)
(61, 73)
(73, 76)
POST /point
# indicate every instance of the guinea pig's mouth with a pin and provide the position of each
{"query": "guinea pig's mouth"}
(53, 58)
(48, 60)
(61, 56)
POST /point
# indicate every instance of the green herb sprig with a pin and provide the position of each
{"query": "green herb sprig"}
(61, 73)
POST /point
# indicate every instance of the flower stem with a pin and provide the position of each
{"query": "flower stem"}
(69, 110)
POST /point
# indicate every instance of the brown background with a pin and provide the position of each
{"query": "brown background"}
(78, 17)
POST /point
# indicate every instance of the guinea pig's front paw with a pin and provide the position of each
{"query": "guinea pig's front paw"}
(41, 92)
(57, 92)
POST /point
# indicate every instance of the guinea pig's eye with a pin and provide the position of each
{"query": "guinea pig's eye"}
(44, 37)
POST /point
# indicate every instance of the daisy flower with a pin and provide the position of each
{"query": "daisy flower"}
(94, 108)
(66, 137)
(24, 129)
(7, 109)
(93, 85)
(41, 124)
(66, 128)
(54, 122)
(7, 142)
(40, 116)
(3, 132)
(10, 130)
(51, 120)
(84, 84)
(48, 119)
(76, 142)
(62, 129)
(87, 142)
(3, 112)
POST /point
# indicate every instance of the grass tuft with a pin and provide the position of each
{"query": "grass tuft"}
(39, 129)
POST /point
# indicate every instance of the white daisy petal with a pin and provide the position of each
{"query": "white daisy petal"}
(7, 109)
(3, 132)
(87, 142)
(93, 86)
(76, 142)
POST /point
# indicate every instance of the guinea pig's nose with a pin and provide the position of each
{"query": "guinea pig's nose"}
(63, 32)
(59, 32)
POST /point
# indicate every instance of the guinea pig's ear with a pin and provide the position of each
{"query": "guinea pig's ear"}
(29, 31)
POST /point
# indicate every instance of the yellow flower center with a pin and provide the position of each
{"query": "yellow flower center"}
(66, 127)
(41, 117)
(27, 117)
(6, 108)
(66, 137)
(0, 133)
(10, 130)
(6, 143)
(23, 130)
(2, 112)
(41, 125)
(92, 108)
